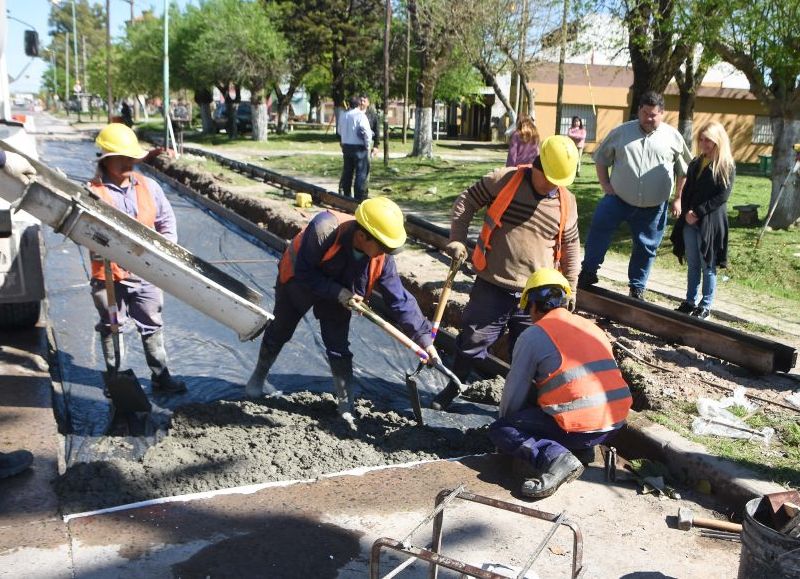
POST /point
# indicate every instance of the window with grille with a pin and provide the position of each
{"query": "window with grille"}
(586, 113)
(762, 131)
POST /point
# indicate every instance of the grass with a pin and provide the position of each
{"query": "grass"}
(771, 273)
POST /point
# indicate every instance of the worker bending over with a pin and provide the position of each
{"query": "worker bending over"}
(531, 222)
(563, 392)
(335, 261)
(142, 198)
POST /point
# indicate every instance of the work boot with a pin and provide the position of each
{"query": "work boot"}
(685, 308)
(587, 279)
(15, 462)
(637, 293)
(564, 469)
(156, 356)
(462, 366)
(342, 370)
(257, 383)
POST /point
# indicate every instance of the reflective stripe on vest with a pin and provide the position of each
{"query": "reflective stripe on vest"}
(288, 261)
(587, 393)
(497, 209)
(145, 214)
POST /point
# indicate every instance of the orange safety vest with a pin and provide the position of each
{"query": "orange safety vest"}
(587, 393)
(146, 215)
(289, 257)
(494, 216)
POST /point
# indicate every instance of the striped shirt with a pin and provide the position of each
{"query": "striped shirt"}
(526, 240)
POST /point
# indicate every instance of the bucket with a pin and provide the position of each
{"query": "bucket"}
(765, 551)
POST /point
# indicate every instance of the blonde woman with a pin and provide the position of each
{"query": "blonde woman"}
(701, 232)
(524, 146)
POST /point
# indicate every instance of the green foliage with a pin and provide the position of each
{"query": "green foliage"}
(459, 82)
(140, 57)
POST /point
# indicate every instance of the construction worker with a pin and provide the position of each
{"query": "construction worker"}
(335, 261)
(18, 167)
(564, 390)
(531, 222)
(142, 198)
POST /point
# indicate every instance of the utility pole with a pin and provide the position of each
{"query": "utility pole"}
(561, 58)
(75, 47)
(166, 75)
(66, 72)
(408, 67)
(85, 74)
(109, 93)
(386, 32)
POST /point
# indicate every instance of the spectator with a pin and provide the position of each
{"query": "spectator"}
(356, 138)
(127, 114)
(577, 133)
(701, 232)
(372, 117)
(524, 145)
(646, 156)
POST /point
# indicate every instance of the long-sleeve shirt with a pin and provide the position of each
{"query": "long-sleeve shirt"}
(535, 357)
(527, 238)
(349, 269)
(354, 128)
(374, 126)
(520, 152)
(578, 136)
(125, 200)
(643, 165)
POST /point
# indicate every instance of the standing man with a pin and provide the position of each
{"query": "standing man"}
(335, 261)
(563, 392)
(356, 139)
(16, 166)
(647, 157)
(372, 118)
(142, 198)
(531, 222)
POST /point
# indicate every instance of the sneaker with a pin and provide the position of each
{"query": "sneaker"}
(685, 308)
(564, 469)
(637, 293)
(587, 279)
(701, 312)
(15, 462)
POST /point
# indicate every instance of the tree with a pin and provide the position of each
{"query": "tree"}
(238, 45)
(140, 58)
(688, 78)
(761, 39)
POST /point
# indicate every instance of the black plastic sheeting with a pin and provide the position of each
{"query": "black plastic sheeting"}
(204, 353)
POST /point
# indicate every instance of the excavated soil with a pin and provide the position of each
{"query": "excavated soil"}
(228, 444)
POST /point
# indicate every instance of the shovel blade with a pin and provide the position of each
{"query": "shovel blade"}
(126, 392)
(413, 395)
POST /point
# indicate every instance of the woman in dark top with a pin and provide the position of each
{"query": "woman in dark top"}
(524, 146)
(701, 232)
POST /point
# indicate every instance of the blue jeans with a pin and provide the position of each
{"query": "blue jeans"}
(535, 437)
(647, 226)
(698, 267)
(356, 161)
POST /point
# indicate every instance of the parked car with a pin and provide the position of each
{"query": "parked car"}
(244, 117)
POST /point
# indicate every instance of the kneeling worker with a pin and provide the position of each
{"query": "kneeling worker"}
(563, 392)
(334, 261)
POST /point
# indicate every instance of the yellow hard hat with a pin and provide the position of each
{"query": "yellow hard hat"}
(119, 139)
(383, 219)
(544, 278)
(559, 157)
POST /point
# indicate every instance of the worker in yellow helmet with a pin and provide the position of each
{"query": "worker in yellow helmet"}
(142, 198)
(334, 261)
(564, 391)
(531, 222)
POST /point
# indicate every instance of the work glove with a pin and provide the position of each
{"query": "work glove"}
(18, 167)
(433, 355)
(348, 298)
(456, 250)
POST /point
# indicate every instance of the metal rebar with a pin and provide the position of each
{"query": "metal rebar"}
(542, 545)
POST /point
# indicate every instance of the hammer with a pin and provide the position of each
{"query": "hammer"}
(686, 521)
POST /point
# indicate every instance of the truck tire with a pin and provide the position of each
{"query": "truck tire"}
(19, 316)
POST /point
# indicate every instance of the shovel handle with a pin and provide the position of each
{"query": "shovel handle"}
(455, 265)
(113, 311)
(389, 329)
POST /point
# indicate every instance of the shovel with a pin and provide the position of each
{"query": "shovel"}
(122, 386)
(367, 312)
(455, 265)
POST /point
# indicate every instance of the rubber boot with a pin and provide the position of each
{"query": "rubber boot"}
(342, 370)
(462, 366)
(156, 356)
(256, 384)
(107, 346)
(15, 462)
(564, 469)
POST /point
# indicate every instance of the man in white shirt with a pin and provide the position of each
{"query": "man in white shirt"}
(356, 139)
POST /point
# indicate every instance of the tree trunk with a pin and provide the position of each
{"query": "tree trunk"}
(491, 79)
(787, 212)
(423, 132)
(313, 107)
(283, 101)
(686, 114)
(260, 116)
(206, 120)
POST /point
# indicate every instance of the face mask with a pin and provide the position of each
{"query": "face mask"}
(358, 255)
